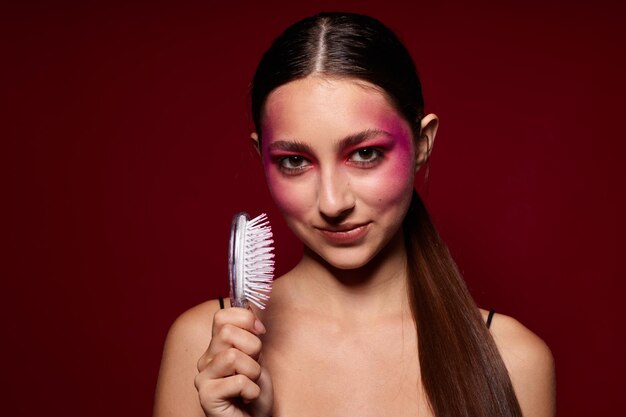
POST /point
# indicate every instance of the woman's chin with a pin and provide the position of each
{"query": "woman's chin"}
(342, 258)
(347, 265)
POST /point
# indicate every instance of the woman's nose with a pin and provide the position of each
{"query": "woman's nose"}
(335, 197)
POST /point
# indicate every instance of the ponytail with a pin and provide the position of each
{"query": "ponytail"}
(462, 371)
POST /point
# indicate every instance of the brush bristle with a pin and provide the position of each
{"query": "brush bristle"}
(259, 261)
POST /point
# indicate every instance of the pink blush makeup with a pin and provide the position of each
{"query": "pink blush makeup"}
(349, 181)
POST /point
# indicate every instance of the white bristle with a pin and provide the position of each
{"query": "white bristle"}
(259, 261)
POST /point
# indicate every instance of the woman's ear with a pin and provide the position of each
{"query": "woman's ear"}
(424, 144)
(255, 142)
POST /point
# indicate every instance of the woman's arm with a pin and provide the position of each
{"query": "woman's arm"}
(530, 365)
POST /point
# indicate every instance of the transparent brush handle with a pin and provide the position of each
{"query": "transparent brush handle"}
(236, 258)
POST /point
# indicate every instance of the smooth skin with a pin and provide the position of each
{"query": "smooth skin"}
(337, 337)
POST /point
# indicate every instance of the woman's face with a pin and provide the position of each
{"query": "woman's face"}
(340, 163)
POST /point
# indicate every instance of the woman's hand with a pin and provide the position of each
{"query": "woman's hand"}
(231, 382)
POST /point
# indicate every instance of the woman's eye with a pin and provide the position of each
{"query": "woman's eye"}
(365, 155)
(293, 163)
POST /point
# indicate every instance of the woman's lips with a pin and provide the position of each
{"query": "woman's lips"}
(346, 234)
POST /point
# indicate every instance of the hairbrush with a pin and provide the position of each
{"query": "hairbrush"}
(250, 260)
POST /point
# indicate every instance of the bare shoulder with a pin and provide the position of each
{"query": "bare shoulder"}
(188, 338)
(530, 364)
(520, 348)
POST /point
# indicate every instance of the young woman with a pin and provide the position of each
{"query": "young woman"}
(375, 320)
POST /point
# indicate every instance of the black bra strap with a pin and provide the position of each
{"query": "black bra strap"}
(221, 300)
(490, 317)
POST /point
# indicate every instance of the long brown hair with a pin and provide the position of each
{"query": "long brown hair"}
(461, 369)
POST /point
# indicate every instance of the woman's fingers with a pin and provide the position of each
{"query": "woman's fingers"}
(230, 338)
(229, 371)
(232, 362)
(236, 327)
(230, 335)
(215, 394)
(238, 317)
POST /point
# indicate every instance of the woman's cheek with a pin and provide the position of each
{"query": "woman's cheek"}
(288, 194)
(391, 185)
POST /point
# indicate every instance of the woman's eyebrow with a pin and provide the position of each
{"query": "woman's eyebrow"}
(357, 138)
(290, 146)
(348, 141)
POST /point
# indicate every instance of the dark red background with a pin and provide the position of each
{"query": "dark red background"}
(125, 146)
